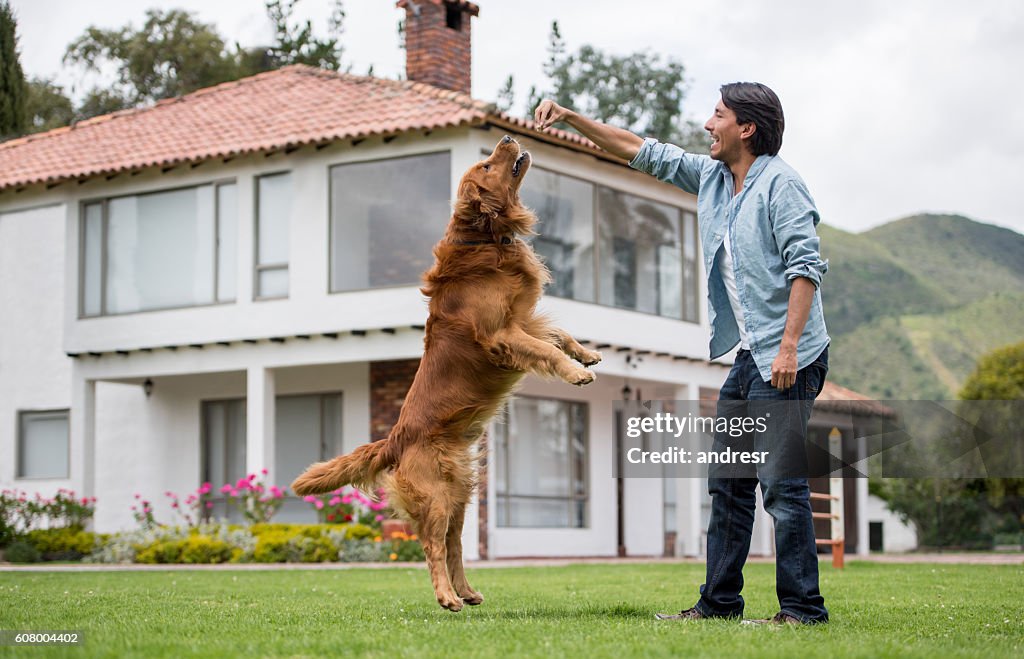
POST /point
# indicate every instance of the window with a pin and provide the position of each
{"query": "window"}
(307, 430)
(641, 254)
(273, 220)
(565, 240)
(160, 250)
(223, 449)
(541, 464)
(43, 444)
(386, 216)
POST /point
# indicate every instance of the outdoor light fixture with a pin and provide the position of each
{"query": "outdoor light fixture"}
(147, 387)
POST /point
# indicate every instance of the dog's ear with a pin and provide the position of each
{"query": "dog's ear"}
(474, 203)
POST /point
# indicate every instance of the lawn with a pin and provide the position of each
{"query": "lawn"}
(584, 610)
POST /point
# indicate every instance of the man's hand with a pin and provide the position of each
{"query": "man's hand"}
(784, 368)
(549, 113)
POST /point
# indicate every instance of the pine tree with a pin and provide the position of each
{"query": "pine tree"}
(12, 78)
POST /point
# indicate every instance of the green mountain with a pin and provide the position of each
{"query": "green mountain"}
(912, 304)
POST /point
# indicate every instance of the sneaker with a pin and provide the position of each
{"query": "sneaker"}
(688, 614)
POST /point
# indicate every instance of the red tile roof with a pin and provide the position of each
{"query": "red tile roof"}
(290, 107)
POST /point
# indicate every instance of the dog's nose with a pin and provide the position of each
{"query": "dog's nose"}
(506, 139)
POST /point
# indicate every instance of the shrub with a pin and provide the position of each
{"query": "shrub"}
(204, 549)
(62, 544)
(271, 547)
(162, 551)
(21, 551)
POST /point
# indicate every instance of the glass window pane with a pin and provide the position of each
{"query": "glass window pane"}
(227, 241)
(93, 260)
(214, 440)
(386, 217)
(160, 250)
(273, 283)
(236, 439)
(541, 464)
(690, 287)
(275, 204)
(640, 253)
(43, 445)
(565, 228)
(297, 432)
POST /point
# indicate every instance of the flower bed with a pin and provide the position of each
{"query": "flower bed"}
(349, 529)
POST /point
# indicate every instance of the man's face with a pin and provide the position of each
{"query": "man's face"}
(726, 135)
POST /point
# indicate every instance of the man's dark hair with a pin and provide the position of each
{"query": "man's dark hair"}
(757, 104)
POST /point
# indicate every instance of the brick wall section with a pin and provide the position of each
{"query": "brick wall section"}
(435, 53)
(389, 383)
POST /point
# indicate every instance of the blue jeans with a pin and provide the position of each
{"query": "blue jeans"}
(786, 498)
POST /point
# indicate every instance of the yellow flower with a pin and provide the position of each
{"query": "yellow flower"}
(394, 556)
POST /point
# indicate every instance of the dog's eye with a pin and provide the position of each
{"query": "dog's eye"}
(487, 167)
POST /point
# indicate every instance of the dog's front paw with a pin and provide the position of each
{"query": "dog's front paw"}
(582, 377)
(590, 357)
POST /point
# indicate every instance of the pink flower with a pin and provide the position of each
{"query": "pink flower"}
(242, 484)
(138, 496)
(85, 501)
(379, 518)
(147, 509)
(251, 477)
(225, 489)
(319, 504)
(209, 504)
(334, 501)
(347, 498)
(264, 472)
(205, 489)
(233, 493)
(309, 498)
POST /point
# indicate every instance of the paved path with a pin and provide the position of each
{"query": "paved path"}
(950, 558)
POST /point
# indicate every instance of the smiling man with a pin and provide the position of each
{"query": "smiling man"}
(757, 227)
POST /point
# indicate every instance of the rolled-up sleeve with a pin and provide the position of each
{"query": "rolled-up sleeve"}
(794, 218)
(670, 163)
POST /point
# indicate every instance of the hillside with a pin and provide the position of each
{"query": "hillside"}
(912, 304)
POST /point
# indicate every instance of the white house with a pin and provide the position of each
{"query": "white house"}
(228, 281)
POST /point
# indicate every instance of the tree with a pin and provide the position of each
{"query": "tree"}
(12, 78)
(46, 106)
(297, 45)
(999, 378)
(640, 92)
(173, 54)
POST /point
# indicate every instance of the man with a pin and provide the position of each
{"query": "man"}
(757, 225)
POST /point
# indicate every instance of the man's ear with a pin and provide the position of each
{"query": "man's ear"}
(747, 130)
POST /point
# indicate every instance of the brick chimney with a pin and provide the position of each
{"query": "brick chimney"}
(437, 45)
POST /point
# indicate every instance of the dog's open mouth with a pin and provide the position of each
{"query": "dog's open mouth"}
(517, 166)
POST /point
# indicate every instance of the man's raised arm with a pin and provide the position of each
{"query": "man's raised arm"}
(616, 141)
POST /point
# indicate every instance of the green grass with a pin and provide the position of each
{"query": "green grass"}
(585, 610)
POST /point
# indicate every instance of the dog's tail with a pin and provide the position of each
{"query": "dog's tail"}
(358, 468)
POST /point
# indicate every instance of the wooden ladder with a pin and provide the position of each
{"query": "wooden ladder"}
(835, 513)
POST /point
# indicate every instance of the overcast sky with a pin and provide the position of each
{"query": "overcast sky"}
(892, 108)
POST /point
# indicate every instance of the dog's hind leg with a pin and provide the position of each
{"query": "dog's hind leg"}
(456, 570)
(433, 528)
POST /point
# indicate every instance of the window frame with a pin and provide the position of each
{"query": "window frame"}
(685, 213)
(258, 267)
(20, 417)
(104, 203)
(505, 498)
(330, 219)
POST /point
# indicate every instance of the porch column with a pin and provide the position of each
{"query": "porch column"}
(260, 418)
(82, 433)
(689, 492)
(863, 529)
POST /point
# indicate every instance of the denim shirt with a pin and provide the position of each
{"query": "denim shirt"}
(771, 224)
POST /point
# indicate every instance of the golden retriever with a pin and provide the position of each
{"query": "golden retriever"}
(482, 336)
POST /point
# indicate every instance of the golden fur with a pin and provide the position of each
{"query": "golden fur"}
(482, 336)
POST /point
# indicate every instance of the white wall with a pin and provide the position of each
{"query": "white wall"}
(34, 372)
(896, 536)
